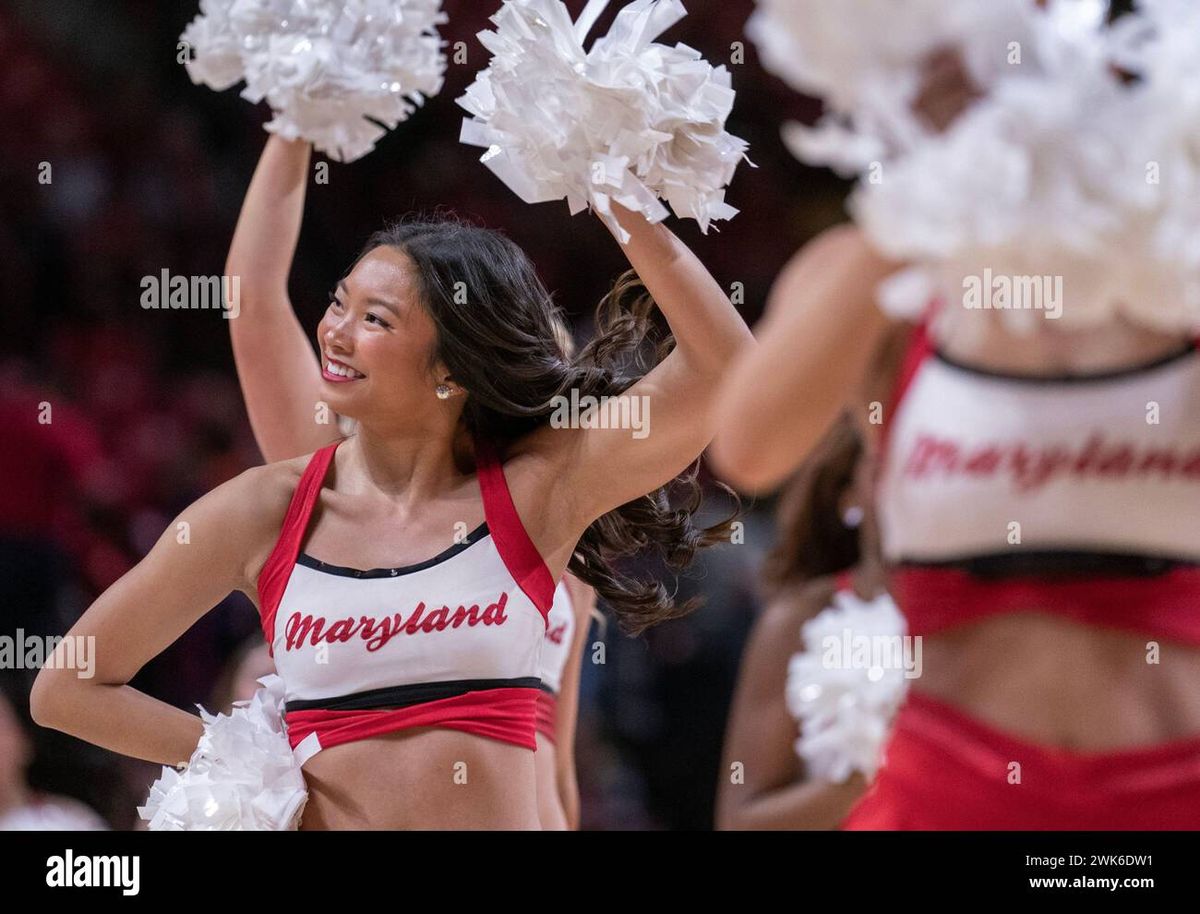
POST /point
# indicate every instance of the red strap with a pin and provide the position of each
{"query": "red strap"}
(273, 579)
(920, 346)
(845, 580)
(520, 556)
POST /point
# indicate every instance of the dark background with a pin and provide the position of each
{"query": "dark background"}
(148, 172)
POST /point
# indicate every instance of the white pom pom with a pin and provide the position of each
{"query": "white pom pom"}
(864, 59)
(629, 120)
(339, 74)
(845, 709)
(216, 51)
(1065, 178)
(243, 775)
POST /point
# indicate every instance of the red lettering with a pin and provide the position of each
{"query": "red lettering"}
(436, 621)
(1088, 456)
(929, 450)
(387, 627)
(1165, 460)
(1119, 462)
(985, 461)
(414, 621)
(341, 630)
(375, 633)
(1032, 468)
(494, 614)
(300, 628)
(1047, 464)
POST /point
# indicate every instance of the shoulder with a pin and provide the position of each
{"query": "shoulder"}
(541, 454)
(536, 468)
(837, 257)
(260, 493)
(778, 626)
(776, 637)
(839, 242)
(845, 236)
(243, 516)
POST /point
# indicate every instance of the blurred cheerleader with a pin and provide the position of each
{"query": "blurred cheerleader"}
(1042, 537)
(281, 381)
(409, 656)
(826, 546)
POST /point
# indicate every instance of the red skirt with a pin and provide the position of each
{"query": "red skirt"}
(945, 770)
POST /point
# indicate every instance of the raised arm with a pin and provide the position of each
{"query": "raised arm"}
(816, 345)
(213, 548)
(276, 363)
(608, 467)
(773, 792)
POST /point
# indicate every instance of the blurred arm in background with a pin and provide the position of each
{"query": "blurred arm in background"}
(774, 792)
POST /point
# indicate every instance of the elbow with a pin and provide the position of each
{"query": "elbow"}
(740, 465)
(45, 699)
(42, 699)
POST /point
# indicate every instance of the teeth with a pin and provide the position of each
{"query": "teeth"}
(342, 371)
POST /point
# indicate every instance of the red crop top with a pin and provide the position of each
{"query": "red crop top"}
(453, 642)
(1077, 496)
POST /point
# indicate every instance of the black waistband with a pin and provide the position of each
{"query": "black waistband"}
(407, 695)
(1059, 563)
(1188, 350)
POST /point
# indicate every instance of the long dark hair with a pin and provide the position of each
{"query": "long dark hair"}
(813, 540)
(496, 334)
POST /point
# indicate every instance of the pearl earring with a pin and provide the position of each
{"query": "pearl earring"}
(443, 391)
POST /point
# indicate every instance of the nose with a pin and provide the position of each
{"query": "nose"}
(337, 336)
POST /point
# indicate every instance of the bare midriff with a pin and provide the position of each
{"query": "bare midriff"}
(1064, 684)
(422, 778)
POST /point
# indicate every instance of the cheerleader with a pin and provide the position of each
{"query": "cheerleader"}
(280, 379)
(558, 704)
(825, 546)
(1041, 536)
(409, 654)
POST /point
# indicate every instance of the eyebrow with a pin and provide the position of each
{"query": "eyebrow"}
(372, 301)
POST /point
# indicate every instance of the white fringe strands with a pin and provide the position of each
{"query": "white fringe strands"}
(845, 710)
(338, 73)
(863, 58)
(628, 120)
(1060, 177)
(243, 775)
(1064, 173)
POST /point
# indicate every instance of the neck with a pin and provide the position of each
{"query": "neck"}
(412, 468)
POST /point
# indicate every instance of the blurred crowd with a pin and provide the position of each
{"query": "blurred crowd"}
(114, 167)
